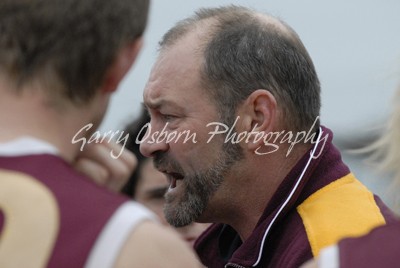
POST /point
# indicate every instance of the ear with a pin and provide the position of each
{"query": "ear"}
(121, 65)
(259, 115)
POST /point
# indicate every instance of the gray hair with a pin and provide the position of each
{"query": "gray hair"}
(243, 53)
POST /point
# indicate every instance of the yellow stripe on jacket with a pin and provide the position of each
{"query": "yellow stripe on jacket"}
(343, 208)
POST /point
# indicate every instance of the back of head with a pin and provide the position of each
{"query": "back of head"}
(66, 45)
(245, 51)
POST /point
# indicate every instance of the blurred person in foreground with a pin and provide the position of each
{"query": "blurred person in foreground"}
(147, 185)
(234, 101)
(380, 248)
(60, 62)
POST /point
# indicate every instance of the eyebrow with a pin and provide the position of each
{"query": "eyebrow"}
(158, 103)
(154, 105)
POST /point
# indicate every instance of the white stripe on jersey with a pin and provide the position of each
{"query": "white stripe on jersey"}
(113, 236)
(26, 146)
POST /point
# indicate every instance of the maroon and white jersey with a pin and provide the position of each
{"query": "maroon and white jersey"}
(52, 216)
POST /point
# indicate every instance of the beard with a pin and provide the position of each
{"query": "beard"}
(198, 187)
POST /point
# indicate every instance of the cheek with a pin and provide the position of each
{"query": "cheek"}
(201, 149)
(198, 153)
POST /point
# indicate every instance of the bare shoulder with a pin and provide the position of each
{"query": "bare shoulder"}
(153, 245)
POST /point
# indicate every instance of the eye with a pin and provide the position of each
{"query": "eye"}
(167, 117)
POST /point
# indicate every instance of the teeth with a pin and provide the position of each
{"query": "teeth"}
(173, 183)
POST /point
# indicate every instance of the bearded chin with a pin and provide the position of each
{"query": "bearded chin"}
(199, 188)
(183, 212)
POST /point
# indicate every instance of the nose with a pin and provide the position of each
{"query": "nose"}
(153, 141)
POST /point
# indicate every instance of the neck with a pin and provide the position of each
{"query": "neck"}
(27, 113)
(257, 183)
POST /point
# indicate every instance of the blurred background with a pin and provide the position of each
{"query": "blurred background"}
(355, 46)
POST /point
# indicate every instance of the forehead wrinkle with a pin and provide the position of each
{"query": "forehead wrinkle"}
(152, 95)
(158, 103)
(159, 73)
(157, 98)
(180, 60)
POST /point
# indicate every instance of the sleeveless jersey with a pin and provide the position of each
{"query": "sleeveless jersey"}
(52, 216)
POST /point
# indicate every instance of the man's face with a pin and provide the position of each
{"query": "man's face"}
(150, 190)
(177, 104)
(190, 192)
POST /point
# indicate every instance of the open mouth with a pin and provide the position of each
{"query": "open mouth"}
(173, 178)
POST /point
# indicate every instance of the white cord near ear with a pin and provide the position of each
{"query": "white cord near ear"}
(289, 197)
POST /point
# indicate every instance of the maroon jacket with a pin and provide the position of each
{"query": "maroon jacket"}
(380, 248)
(308, 222)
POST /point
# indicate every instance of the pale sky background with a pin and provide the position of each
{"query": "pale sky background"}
(355, 46)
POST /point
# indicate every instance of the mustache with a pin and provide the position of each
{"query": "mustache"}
(162, 161)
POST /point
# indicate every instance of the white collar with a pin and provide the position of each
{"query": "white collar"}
(27, 146)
